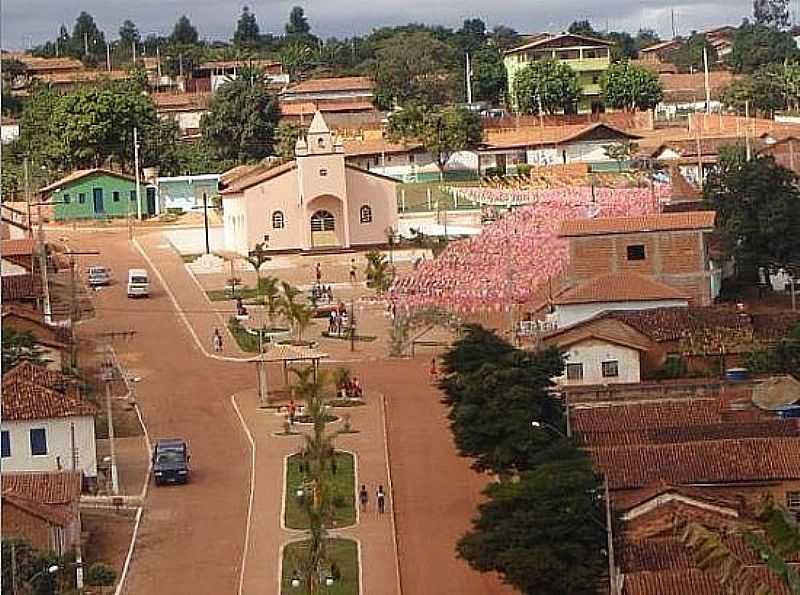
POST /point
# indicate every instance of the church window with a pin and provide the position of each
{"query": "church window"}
(323, 172)
(277, 220)
(366, 214)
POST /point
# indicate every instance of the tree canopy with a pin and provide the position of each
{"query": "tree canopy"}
(184, 32)
(771, 13)
(242, 118)
(441, 131)
(298, 22)
(689, 55)
(247, 31)
(756, 203)
(547, 85)
(544, 534)
(629, 87)
(489, 80)
(757, 45)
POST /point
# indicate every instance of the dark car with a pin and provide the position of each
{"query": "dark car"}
(171, 461)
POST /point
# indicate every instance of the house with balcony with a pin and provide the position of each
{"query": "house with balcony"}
(588, 56)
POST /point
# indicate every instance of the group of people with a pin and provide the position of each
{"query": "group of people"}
(322, 294)
(353, 272)
(339, 320)
(351, 389)
(515, 257)
(380, 498)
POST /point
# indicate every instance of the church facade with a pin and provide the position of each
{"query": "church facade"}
(313, 202)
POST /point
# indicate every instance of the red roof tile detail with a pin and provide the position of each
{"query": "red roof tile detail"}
(55, 487)
(695, 220)
(21, 287)
(24, 247)
(620, 287)
(344, 83)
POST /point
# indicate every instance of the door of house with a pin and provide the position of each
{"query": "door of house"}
(323, 229)
(97, 195)
(151, 200)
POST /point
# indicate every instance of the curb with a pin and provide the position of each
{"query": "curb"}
(251, 497)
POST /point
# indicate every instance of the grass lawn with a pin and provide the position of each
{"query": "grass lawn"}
(342, 552)
(416, 195)
(190, 257)
(247, 342)
(221, 295)
(344, 497)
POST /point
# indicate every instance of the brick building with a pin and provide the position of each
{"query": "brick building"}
(785, 151)
(670, 248)
(43, 509)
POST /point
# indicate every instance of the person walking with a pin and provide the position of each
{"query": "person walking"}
(353, 270)
(216, 341)
(363, 497)
(434, 373)
(380, 496)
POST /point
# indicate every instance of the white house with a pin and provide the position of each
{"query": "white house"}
(46, 425)
(9, 130)
(617, 291)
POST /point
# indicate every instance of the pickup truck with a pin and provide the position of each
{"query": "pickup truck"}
(171, 461)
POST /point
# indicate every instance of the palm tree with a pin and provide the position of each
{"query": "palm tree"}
(19, 347)
(779, 542)
(270, 296)
(298, 315)
(378, 272)
(257, 257)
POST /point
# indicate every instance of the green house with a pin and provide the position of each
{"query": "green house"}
(587, 56)
(97, 194)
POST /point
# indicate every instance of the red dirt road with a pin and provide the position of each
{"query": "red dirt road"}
(191, 536)
(435, 491)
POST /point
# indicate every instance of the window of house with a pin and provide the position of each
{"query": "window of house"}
(610, 369)
(277, 220)
(5, 444)
(321, 142)
(133, 195)
(595, 79)
(65, 199)
(323, 172)
(636, 252)
(38, 442)
(412, 158)
(115, 196)
(81, 198)
(366, 214)
(793, 501)
(574, 371)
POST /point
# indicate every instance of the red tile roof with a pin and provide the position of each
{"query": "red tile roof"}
(628, 500)
(257, 175)
(82, 173)
(532, 136)
(356, 148)
(308, 108)
(21, 287)
(620, 287)
(24, 247)
(344, 83)
(708, 462)
(25, 400)
(30, 372)
(696, 220)
(689, 582)
(545, 38)
(53, 487)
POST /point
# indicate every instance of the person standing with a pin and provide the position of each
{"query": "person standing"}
(318, 273)
(380, 496)
(216, 341)
(292, 411)
(363, 497)
(434, 373)
(352, 270)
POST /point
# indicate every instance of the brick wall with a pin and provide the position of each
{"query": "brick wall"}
(19, 523)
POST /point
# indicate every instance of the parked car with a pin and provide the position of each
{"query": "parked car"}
(171, 461)
(138, 283)
(788, 411)
(98, 276)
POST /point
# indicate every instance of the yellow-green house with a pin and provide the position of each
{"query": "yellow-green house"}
(588, 56)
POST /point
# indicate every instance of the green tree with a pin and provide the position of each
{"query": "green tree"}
(20, 347)
(184, 32)
(129, 34)
(493, 400)
(758, 45)
(298, 22)
(39, 136)
(414, 68)
(247, 31)
(286, 135)
(547, 85)
(378, 272)
(270, 294)
(256, 258)
(472, 36)
(781, 358)
(583, 27)
(504, 38)
(31, 569)
(489, 80)
(756, 203)
(771, 13)
(624, 47)
(442, 132)
(296, 58)
(621, 152)
(543, 534)
(689, 56)
(629, 87)
(87, 39)
(241, 121)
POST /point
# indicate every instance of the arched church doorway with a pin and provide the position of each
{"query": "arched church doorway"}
(323, 229)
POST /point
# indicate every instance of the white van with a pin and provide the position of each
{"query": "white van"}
(138, 283)
(98, 276)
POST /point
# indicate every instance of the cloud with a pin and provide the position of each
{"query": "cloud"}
(30, 22)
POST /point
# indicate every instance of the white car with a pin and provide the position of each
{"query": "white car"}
(97, 276)
(138, 283)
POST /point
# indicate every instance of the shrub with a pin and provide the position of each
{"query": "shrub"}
(100, 575)
(523, 169)
(493, 172)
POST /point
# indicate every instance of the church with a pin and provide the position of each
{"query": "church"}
(313, 202)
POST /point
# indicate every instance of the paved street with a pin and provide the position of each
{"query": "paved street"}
(192, 537)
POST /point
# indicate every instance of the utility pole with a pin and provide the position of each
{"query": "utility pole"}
(612, 569)
(108, 57)
(708, 89)
(136, 170)
(672, 18)
(42, 250)
(747, 128)
(469, 81)
(352, 325)
(133, 52)
(57, 39)
(114, 475)
(86, 44)
(28, 195)
(158, 63)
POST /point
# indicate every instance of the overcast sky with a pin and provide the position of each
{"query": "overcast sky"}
(32, 22)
